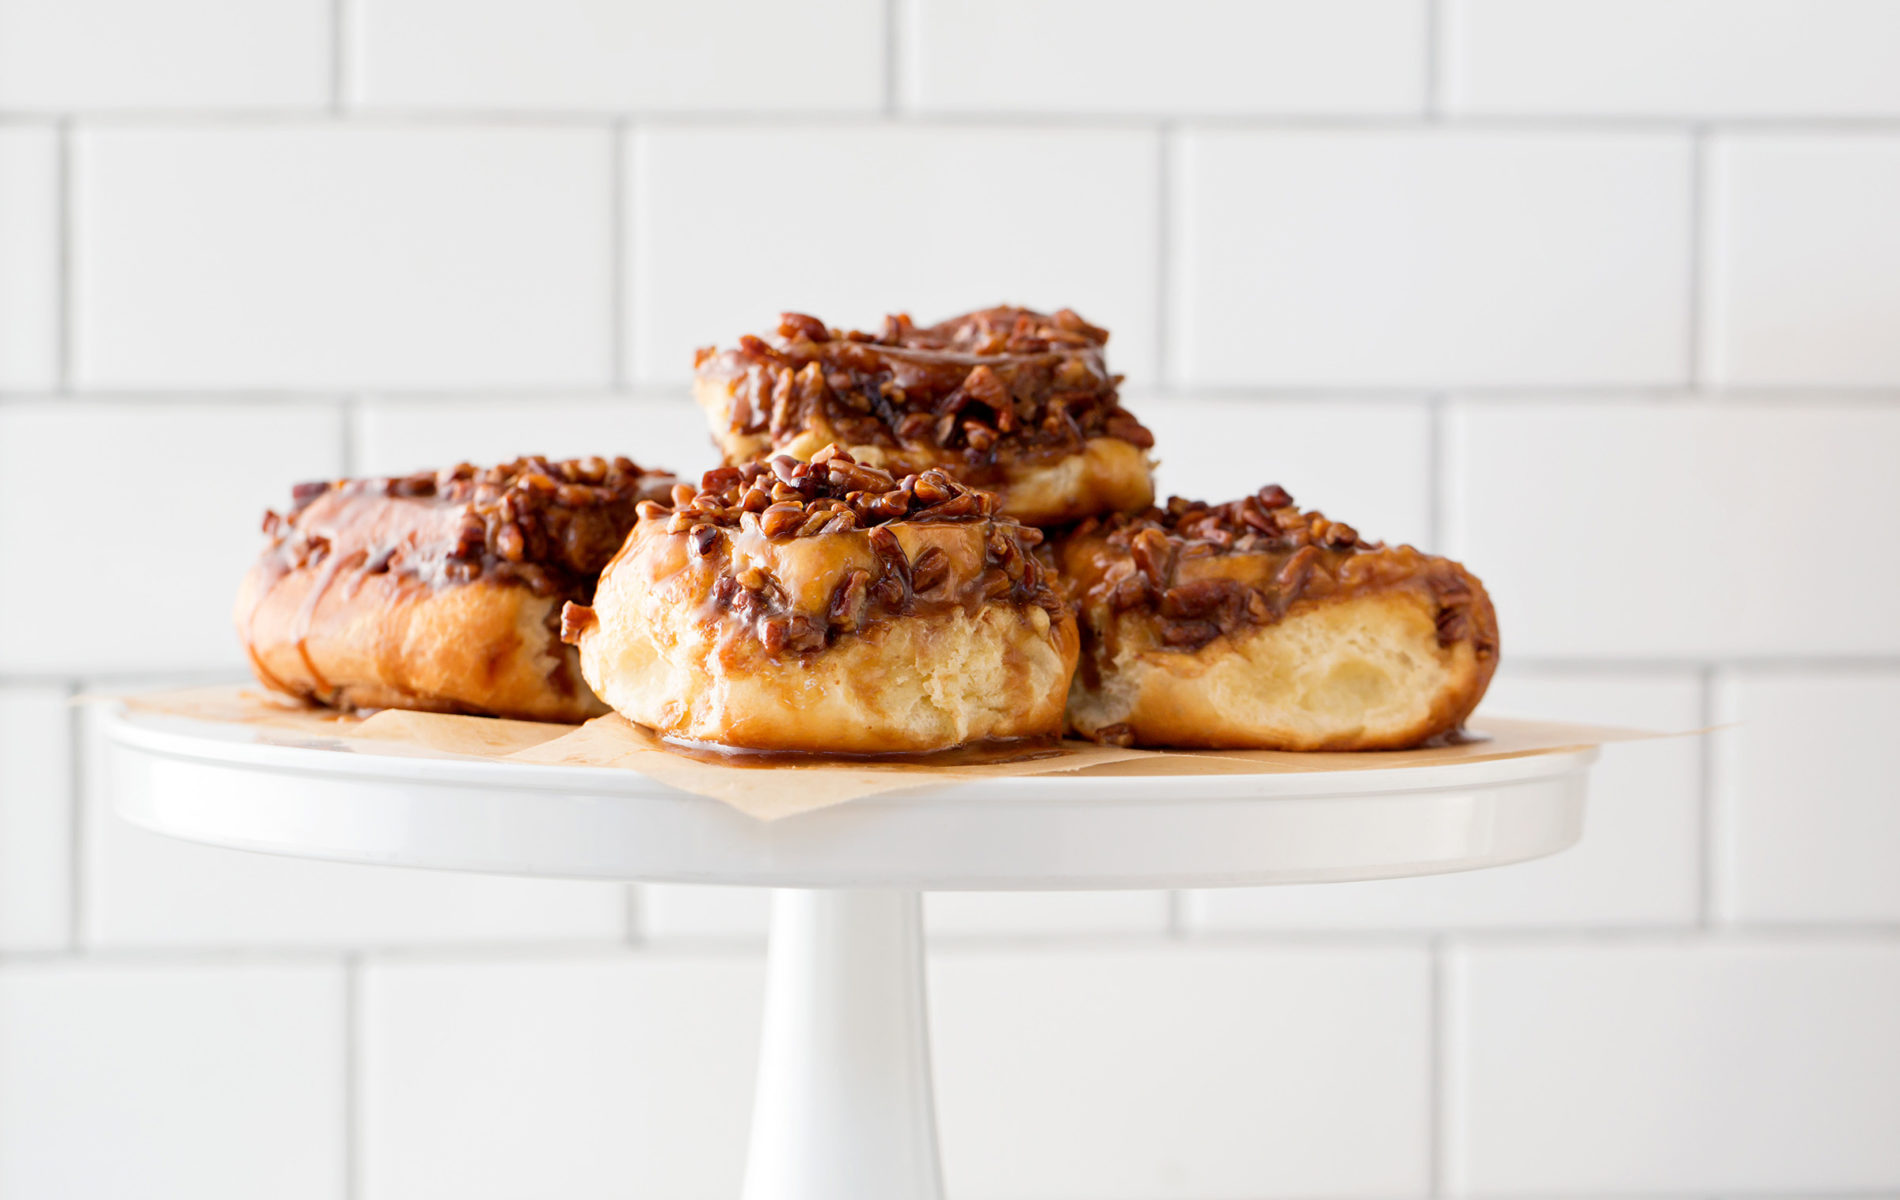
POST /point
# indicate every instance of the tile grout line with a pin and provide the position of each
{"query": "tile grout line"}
(1710, 778)
(63, 187)
(341, 27)
(893, 48)
(1447, 1053)
(75, 820)
(632, 914)
(617, 253)
(1698, 253)
(705, 947)
(350, 452)
(1435, 1070)
(1436, 471)
(1556, 124)
(352, 1075)
(1164, 246)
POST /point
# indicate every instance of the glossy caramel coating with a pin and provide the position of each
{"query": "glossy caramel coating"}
(828, 607)
(1010, 400)
(438, 591)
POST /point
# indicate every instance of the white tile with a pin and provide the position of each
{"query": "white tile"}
(36, 808)
(29, 246)
(1044, 914)
(163, 501)
(1182, 1072)
(1409, 259)
(1193, 56)
(852, 222)
(600, 55)
(322, 256)
(1638, 863)
(406, 435)
(1674, 1068)
(146, 890)
(64, 55)
(1707, 58)
(584, 1079)
(212, 1082)
(1803, 260)
(1676, 529)
(669, 911)
(678, 910)
(1810, 797)
(1367, 463)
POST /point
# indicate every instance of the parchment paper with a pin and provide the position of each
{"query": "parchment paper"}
(772, 789)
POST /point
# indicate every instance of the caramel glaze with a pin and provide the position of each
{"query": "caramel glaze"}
(546, 526)
(787, 557)
(982, 390)
(1200, 571)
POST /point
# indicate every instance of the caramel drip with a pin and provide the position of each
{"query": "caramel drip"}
(326, 576)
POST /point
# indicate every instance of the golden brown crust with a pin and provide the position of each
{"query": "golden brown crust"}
(1256, 625)
(1013, 401)
(825, 607)
(389, 641)
(438, 591)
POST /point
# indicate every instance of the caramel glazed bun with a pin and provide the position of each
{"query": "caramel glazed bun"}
(1255, 625)
(827, 607)
(439, 591)
(1009, 400)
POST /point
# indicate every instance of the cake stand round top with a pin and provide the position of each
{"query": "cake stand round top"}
(226, 785)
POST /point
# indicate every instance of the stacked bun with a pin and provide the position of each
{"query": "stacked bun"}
(1013, 401)
(922, 538)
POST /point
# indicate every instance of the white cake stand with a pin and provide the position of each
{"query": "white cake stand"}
(844, 1107)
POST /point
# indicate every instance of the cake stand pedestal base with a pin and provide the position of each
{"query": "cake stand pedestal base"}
(844, 1108)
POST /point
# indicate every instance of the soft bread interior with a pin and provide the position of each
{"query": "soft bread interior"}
(1360, 674)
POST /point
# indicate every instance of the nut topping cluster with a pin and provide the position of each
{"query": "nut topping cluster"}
(835, 494)
(551, 525)
(1307, 555)
(994, 385)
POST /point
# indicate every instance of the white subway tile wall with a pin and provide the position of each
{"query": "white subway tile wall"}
(1808, 836)
(59, 56)
(1803, 283)
(341, 255)
(1602, 296)
(36, 820)
(1647, 528)
(1195, 57)
(1671, 58)
(1671, 1067)
(603, 56)
(153, 507)
(596, 1077)
(882, 217)
(1430, 257)
(216, 1081)
(29, 250)
(1168, 1070)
